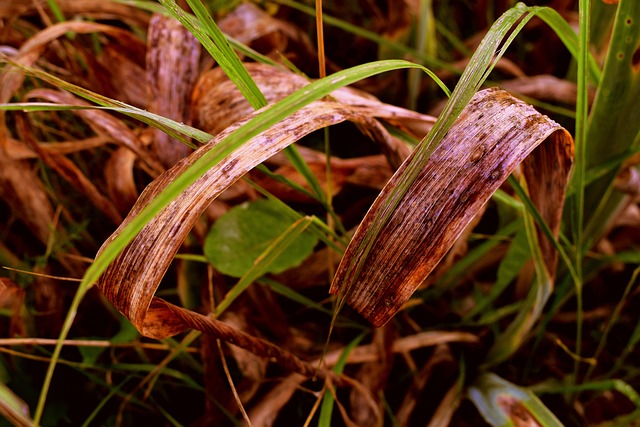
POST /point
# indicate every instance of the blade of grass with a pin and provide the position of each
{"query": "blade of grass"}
(370, 35)
(172, 128)
(475, 255)
(508, 270)
(511, 339)
(291, 294)
(615, 316)
(537, 217)
(425, 42)
(614, 121)
(217, 45)
(133, 112)
(208, 33)
(578, 179)
(326, 409)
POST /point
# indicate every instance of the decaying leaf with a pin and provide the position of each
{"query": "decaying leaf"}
(493, 134)
(218, 103)
(172, 67)
(249, 24)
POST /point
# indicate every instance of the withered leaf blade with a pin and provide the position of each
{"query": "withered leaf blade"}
(172, 67)
(493, 134)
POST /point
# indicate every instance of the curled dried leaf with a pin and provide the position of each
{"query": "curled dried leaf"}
(248, 23)
(494, 134)
(218, 103)
(172, 68)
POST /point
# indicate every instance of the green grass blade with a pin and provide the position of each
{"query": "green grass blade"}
(425, 42)
(326, 409)
(511, 339)
(291, 294)
(540, 222)
(510, 265)
(155, 120)
(319, 228)
(613, 318)
(614, 121)
(579, 168)
(208, 33)
(571, 41)
(403, 51)
(605, 385)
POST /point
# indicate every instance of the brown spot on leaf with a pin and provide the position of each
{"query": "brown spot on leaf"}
(517, 413)
(635, 60)
(478, 153)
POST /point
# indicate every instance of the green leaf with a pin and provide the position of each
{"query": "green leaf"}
(241, 235)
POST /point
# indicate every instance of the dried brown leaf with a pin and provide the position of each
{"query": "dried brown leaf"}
(545, 88)
(12, 300)
(373, 375)
(218, 103)
(21, 189)
(125, 82)
(264, 414)
(450, 402)
(71, 173)
(104, 124)
(96, 9)
(517, 413)
(441, 360)
(493, 134)
(248, 23)
(32, 49)
(19, 151)
(121, 186)
(172, 68)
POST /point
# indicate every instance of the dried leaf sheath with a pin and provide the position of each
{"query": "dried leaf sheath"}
(493, 134)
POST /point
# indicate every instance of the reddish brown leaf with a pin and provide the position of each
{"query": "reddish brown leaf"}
(493, 134)
(172, 68)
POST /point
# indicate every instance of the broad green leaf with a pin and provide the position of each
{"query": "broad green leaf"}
(614, 120)
(240, 236)
(264, 262)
